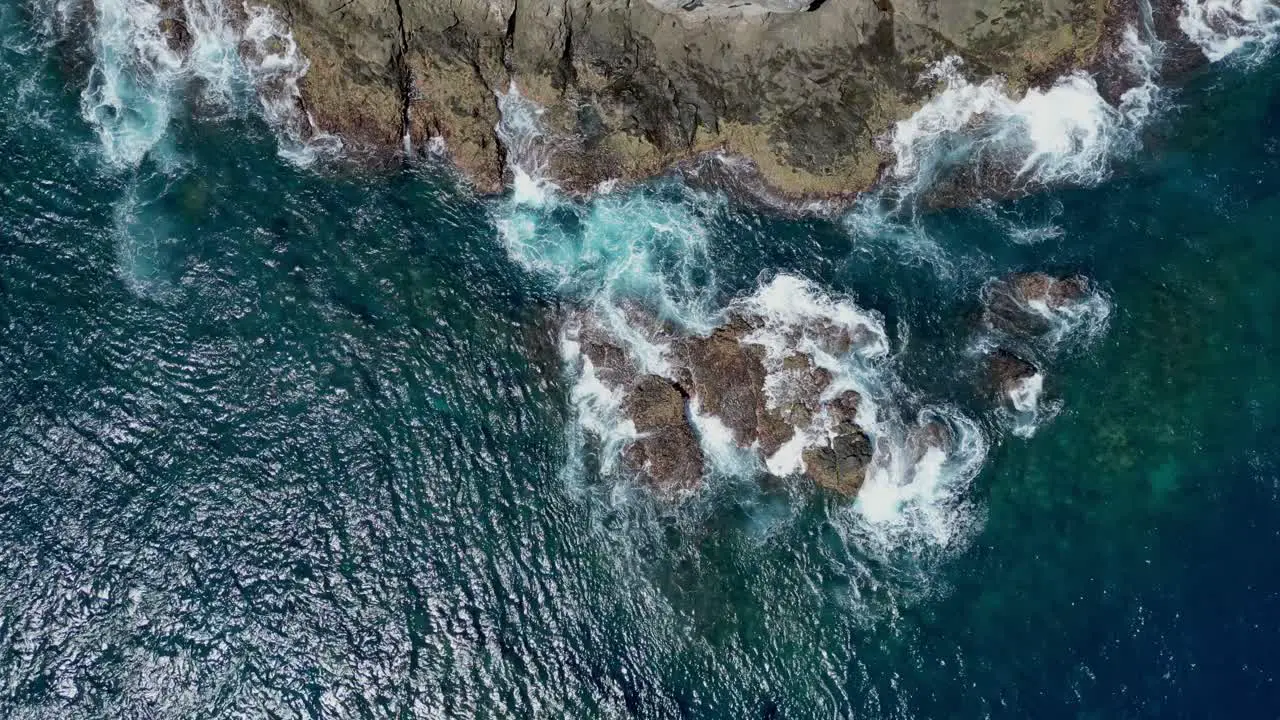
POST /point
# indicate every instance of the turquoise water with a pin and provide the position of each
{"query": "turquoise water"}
(298, 442)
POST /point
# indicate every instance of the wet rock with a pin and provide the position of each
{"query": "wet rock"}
(1006, 371)
(173, 27)
(610, 361)
(667, 453)
(773, 432)
(1053, 292)
(840, 466)
(844, 411)
(727, 376)
(1021, 304)
(764, 401)
(797, 388)
(633, 86)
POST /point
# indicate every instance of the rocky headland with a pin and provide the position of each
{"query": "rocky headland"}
(799, 91)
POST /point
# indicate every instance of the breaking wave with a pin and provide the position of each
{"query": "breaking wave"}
(647, 247)
(1227, 28)
(972, 140)
(147, 55)
(1065, 134)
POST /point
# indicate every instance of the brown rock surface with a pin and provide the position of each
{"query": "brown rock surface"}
(1008, 302)
(667, 453)
(632, 86)
(764, 404)
(840, 466)
(1005, 371)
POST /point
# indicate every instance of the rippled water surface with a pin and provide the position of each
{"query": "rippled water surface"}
(283, 442)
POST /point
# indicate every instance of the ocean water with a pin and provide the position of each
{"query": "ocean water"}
(281, 438)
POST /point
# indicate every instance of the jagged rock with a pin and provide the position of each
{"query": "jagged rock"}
(796, 389)
(173, 26)
(844, 411)
(610, 361)
(632, 86)
(1017, 304)
(764, 404)
(727, 376)
(842, 465)
(1054, 292)
(667, 453)
(1006, 372)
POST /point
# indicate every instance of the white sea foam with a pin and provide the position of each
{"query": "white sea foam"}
(598, 407)
(915, 498)
(126, 98)
(275, 66)
(643, 245)
(133, 87)
(1065, 134)
(649, 245)
(1025, 394)
(920, 469)
(520, 131)
(1226, 28)
(1028, 408)
(719, 447)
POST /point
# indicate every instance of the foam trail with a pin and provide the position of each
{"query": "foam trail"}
(1227, 28)
(127, 98)
(145, 55)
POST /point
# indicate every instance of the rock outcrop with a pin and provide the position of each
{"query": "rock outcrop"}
(1025, 304)
(801, 90)
(666, 452)
(1007, 373)
(727, 375)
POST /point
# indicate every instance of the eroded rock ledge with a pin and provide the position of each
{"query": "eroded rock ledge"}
(800, 89)
(770, 406)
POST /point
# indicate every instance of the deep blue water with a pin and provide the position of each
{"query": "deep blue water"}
(282, 442)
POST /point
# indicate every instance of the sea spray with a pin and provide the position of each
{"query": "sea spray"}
(1227, 28)
(145, 55)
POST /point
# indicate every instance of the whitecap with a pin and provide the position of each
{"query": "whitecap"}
(1225, 28)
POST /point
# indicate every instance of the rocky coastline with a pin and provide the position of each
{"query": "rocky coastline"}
(798, 94)
(783, 394)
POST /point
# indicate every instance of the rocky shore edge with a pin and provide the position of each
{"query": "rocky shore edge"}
(784, 102)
